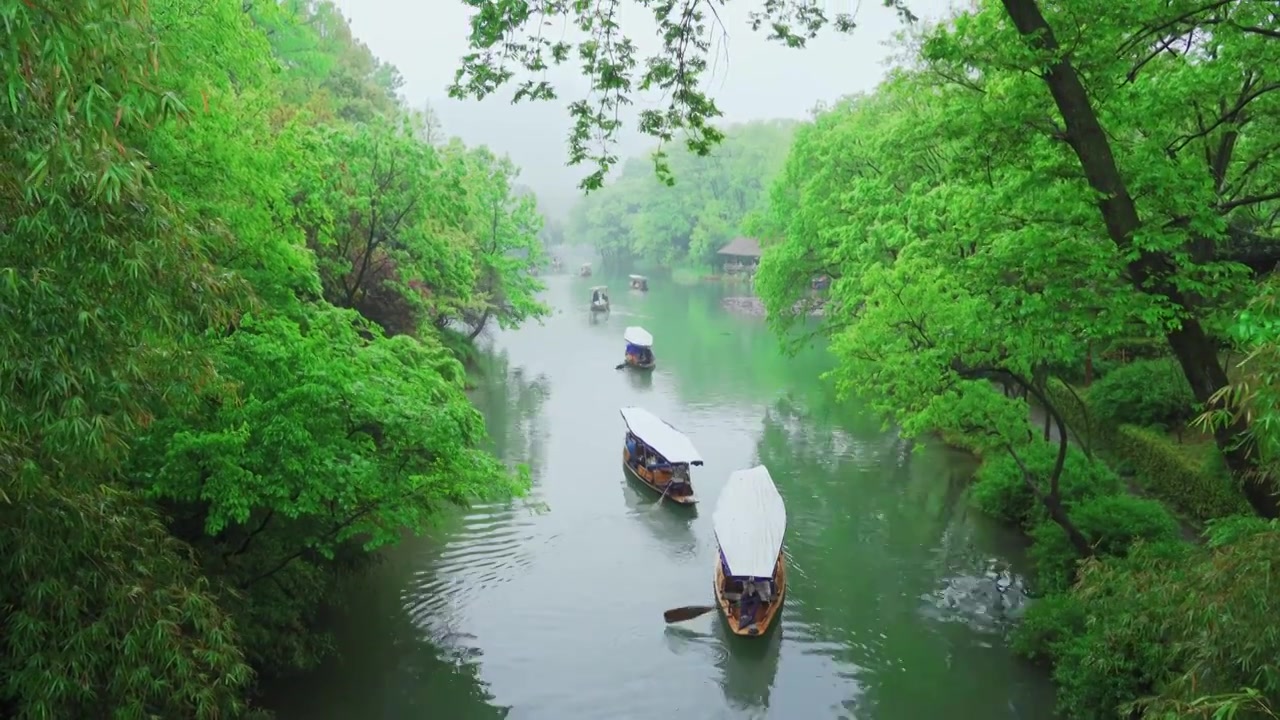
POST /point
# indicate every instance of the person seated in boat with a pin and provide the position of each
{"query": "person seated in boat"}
(755, 595)
(595, 296)
(631, 447)
(604, 296)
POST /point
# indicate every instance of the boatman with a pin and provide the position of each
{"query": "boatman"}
(747, 605)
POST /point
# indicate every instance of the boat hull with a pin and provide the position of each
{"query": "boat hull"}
(765, 616)
(639, 365)
(655, 484)
(600, 308)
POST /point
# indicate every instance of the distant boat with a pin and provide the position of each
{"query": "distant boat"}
(750, 521)
(640, 282)
(639, 348)
(600, 299)
(658, 455)
(585, 270)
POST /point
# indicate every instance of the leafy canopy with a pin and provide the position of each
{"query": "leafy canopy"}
(231, 258)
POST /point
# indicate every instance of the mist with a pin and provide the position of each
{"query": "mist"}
(752, 78)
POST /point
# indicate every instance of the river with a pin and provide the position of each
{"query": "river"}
(899, 598)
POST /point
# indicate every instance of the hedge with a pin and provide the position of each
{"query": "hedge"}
(1074, 413)
(1191, 478)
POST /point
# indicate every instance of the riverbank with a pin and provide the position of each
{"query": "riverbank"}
(1145, 491)
(752, 306)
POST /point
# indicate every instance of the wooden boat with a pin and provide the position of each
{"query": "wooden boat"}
(658, 455)
(639, 348)
(585, 270)
(640, 282)
(599, 299)
(750, 521)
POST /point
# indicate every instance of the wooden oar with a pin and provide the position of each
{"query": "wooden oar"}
(688, 612)
(620, 366)
(665, 491)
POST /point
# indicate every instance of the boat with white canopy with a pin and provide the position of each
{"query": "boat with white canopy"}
(600, 299)
(750, 521)
(658, 455)
(639, 348)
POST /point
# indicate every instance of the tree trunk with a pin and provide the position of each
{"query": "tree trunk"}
(1051, 498)
(479, 327)
(1150, 272)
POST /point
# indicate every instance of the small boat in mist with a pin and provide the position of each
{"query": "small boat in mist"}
(750, 521)
(600, 299)
(639, 349)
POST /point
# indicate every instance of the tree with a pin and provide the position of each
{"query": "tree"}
(503, 226)
(383, 225)
(319, 446)
(639, 217)
(1155, 269)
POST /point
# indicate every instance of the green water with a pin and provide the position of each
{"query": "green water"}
(900, 595)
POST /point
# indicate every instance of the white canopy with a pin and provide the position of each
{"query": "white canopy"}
(659, 435)
(750, 520)
(637, 335)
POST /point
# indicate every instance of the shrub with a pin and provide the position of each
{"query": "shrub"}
(1049, 623)
(1112, 523)
(1191, 478)
(1001, 493)
(1174, 626)
(1072, 407)
(1146, 393)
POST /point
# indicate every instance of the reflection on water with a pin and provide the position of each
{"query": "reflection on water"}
(671, 524)
(640, 379)
(512, 401)
(748, 668)
(899, 595)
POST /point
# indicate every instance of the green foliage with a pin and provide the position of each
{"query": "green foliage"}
(198, 446)
(639, 218)
(1175, 632)
(1072, 406)
(1255, 392)
(1191, 478)
(327, 444)
(1001, 492)
(103, 608)
(1146, 393)
(1050, 623)
(1112, 523)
